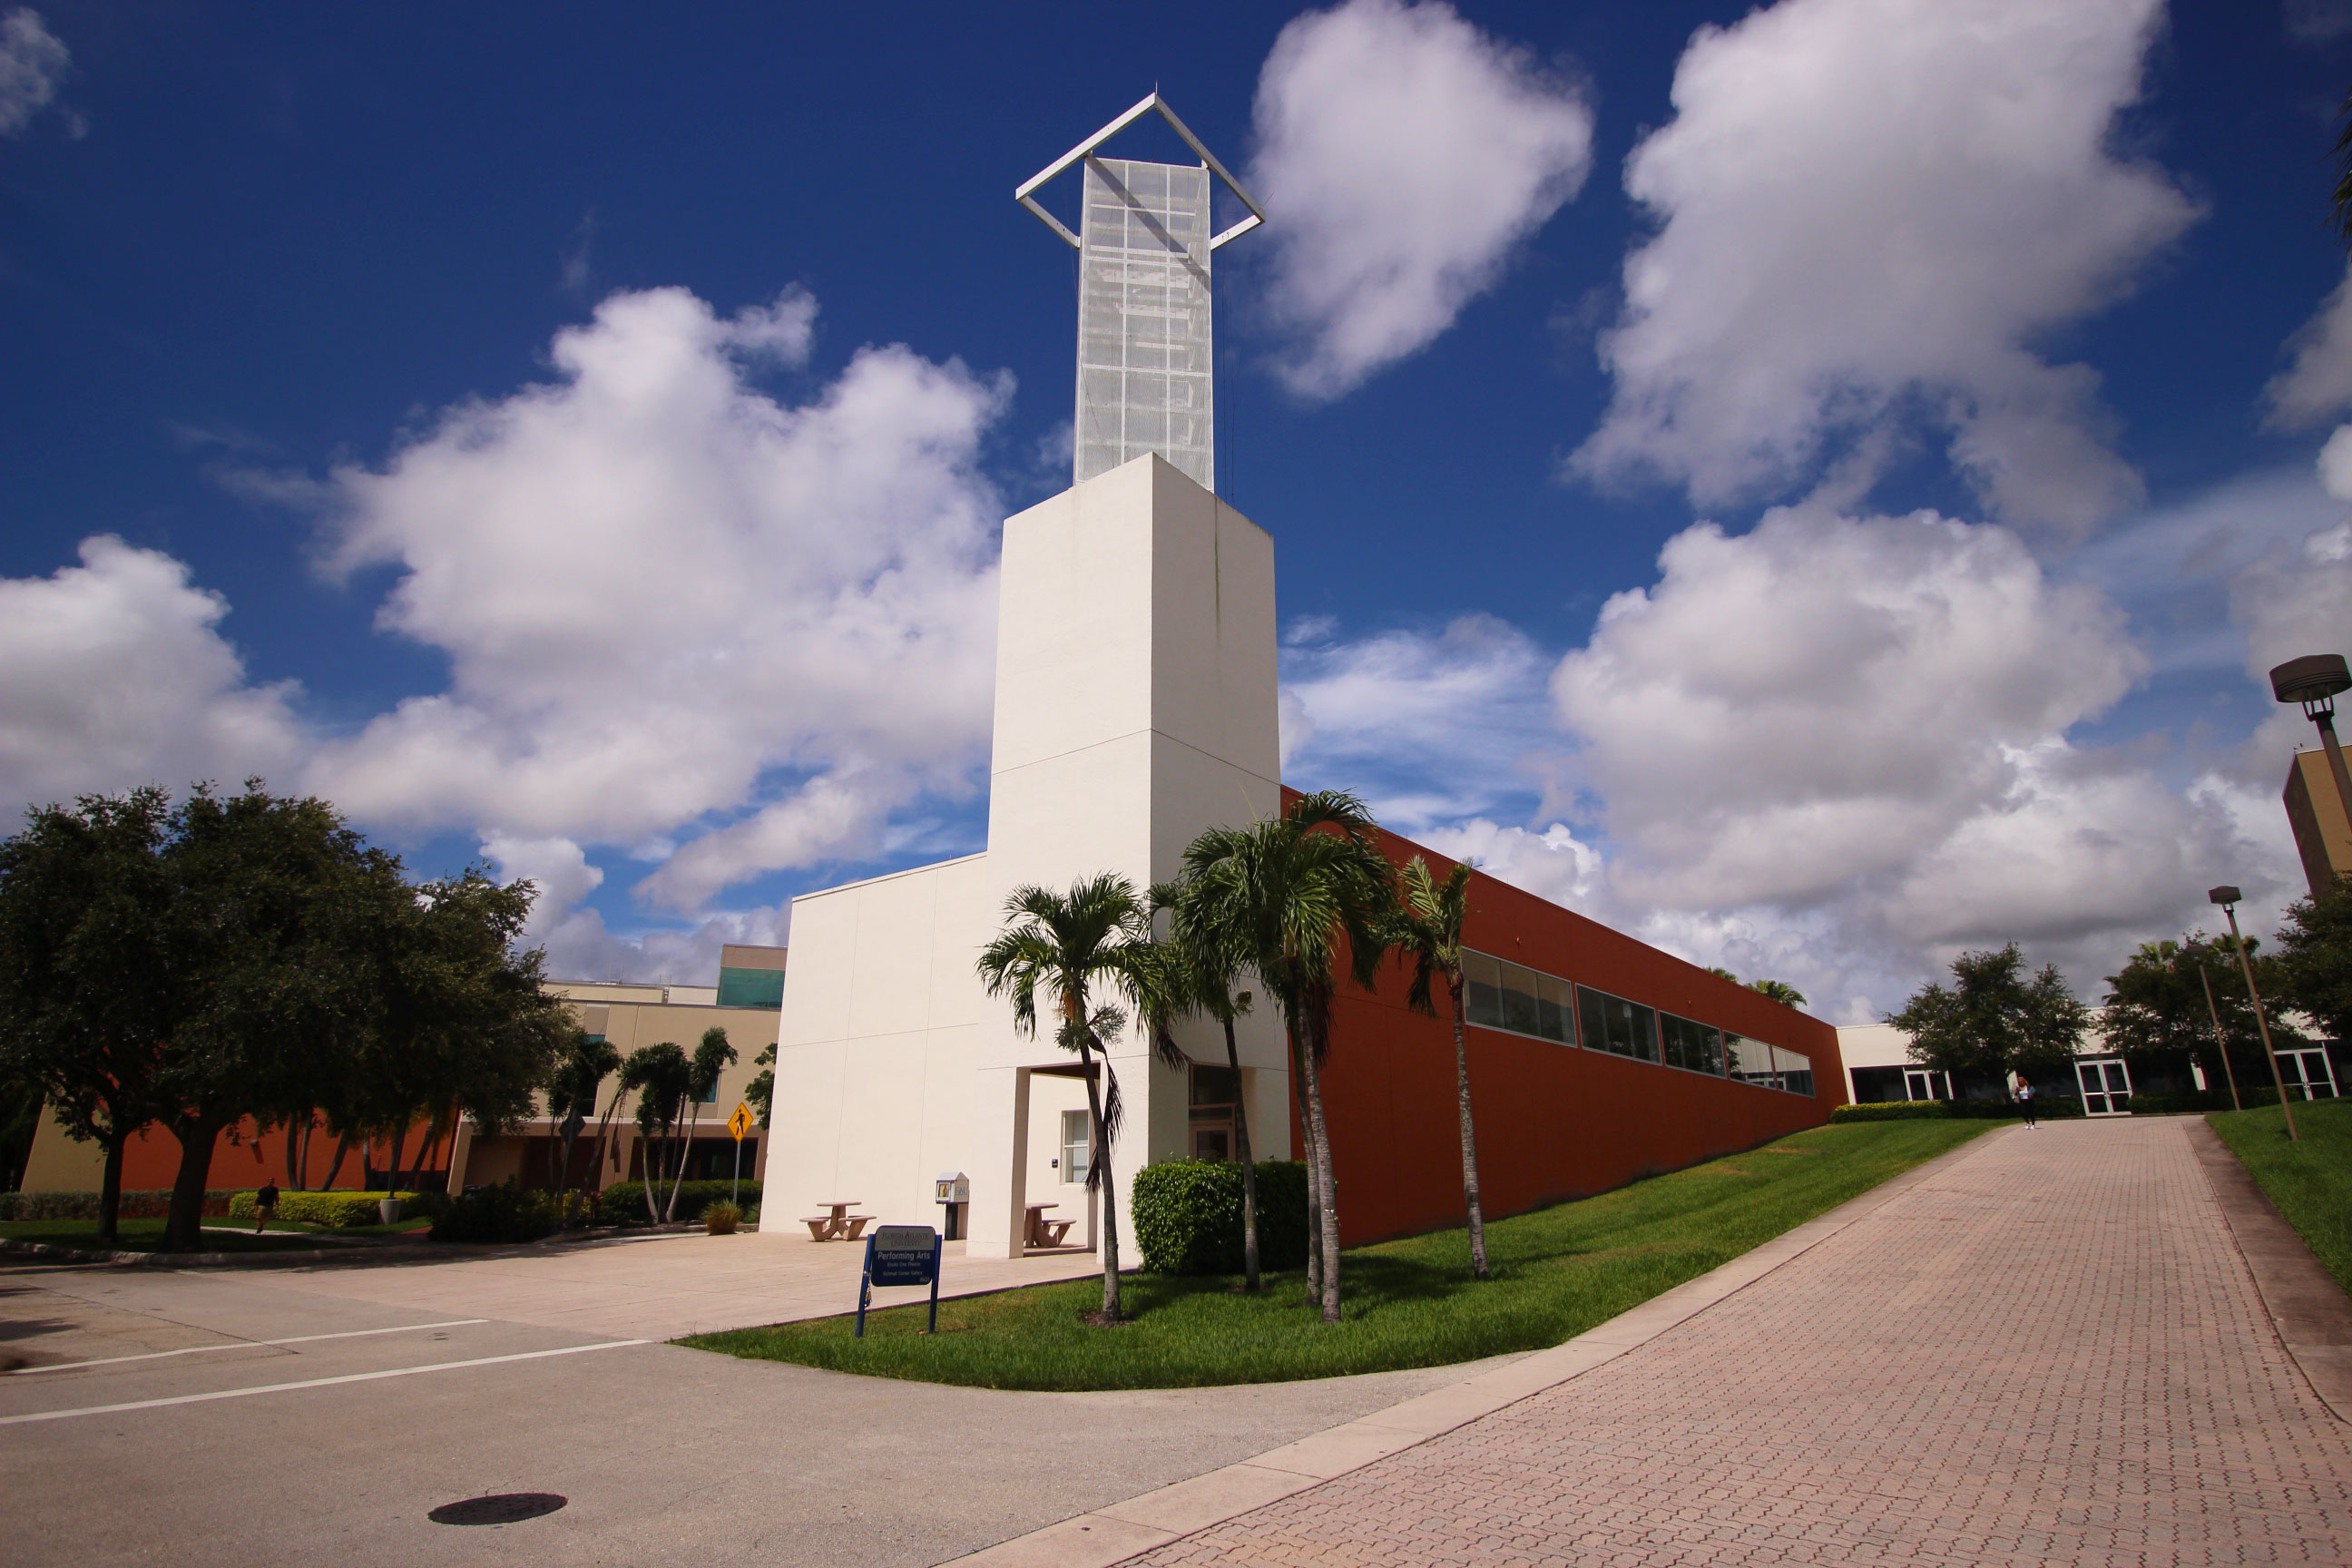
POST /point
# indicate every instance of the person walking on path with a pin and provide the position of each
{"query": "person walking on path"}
(265, 1206)
(2025, 1101)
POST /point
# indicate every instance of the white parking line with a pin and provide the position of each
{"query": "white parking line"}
(307, 1383)
(244, 1344)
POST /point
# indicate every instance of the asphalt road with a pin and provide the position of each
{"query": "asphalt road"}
(223, 1417)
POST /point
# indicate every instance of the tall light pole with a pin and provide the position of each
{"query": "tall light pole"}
(2314, 681)
(2228, 899)
(2195, 954)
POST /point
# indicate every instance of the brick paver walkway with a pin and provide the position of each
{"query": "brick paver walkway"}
(2050, 1352)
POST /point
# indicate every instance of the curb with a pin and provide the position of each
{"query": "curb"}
(2310, 1311)
(1122, 1530)
(354, 1253)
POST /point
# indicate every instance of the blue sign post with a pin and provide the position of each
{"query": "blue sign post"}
(900, 1255)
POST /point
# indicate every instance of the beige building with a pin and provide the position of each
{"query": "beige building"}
(2322, 835)
(629, 1017)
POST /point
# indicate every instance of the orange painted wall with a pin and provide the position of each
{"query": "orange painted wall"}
(1553, 1121)
(152, 1160)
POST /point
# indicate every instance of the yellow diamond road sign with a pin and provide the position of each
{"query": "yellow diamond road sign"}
(740, 1123)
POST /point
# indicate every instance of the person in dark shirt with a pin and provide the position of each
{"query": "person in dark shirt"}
(265, 1206)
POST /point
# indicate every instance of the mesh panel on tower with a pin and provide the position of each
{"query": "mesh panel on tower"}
(1144, 365)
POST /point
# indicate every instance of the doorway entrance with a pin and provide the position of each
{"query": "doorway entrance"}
(1919, 1083)
(2107, 1086)
(1211, 1098)
(2307, 1074)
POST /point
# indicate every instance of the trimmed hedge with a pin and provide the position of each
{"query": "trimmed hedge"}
(1187, 1216)
(503, 1213)
(341, 1209)
(137, 1203)
(623, 1203)
(2046, 1107)
(2194, 1101)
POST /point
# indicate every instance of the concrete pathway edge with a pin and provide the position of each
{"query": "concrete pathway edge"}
(2309, 1310)
(1123, 1529)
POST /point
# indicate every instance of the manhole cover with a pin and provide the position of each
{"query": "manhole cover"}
(501, 1508)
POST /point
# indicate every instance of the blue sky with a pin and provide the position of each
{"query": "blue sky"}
(575, 434)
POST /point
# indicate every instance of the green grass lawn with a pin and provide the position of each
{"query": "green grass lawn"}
(142, 1235)
(2311, 1181)
(1558, 1272)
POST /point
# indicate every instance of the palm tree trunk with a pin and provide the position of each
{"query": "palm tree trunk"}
(342, 1153)
(1107, 1194)
(1318, 1138)
(1314, 1180)
(1249, 1169)
(685, 1152)
(1469, 1137)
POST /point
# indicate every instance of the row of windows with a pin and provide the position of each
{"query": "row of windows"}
(1499, 996)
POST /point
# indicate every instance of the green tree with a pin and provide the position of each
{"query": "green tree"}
(1994, 1022)
(1426, 930)
(2158, 1006)
(1302, 892)
(87, 995)
(713, 1056)
(587, 1060)
(2313, 970)
(660, 1075)
(1779, 990)
(1206, 964)
(760, 1092)
(1073, 947)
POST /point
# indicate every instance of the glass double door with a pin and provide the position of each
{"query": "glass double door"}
(2307, 1075)
(2107, 1086)
(1919, 1083)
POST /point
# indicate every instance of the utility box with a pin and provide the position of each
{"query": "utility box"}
(955, 1191)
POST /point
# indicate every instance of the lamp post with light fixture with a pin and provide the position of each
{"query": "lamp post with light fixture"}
(2195, 954)
(2314, 681)
(2228, 898)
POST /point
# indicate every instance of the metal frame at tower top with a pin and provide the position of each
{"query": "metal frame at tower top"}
(1026, 196)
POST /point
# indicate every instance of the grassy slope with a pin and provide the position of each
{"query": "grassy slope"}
(1558, 1272)
(2311, 1181)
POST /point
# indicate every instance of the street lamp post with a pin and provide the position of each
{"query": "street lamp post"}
(2314, 681)
(2195, 954)
(2228, 899)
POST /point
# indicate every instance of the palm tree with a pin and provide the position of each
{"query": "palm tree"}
(1292, 891)
(1204, 959)
(1779, 990)
(712, 1058)
(659, 1074)
(1069, 945)
(1426, 929)
(572, 1093)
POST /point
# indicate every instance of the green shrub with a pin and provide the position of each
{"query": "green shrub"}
(504, 1214)
(623, 1203)
(137, 1203)
(1890, 1110)
(342, 1210)
(1187, 1216)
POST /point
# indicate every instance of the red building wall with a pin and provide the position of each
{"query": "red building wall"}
(151, 1159)
(1554, 1122)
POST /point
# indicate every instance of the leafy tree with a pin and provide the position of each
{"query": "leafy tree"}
(660, 1075)
(1299, 892)
(1779, 990)
(760, 1092)
(85, 972)
(1071, 947)
(1206, 965)
(2313, 972)
(2158, 1004)
(1426, 930)
(1725, 974)
(1993, 1022)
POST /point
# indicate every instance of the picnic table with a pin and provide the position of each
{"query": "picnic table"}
(1044, 1232)
(838, 1223)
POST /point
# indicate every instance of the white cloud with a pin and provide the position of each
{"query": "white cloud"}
(32, 63)
(1402, 156)
(579, 945)
(1871, 211)
(2317, 384)
(113, 674)
(669, 601)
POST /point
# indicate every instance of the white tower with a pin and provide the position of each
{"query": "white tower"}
(1136, 705)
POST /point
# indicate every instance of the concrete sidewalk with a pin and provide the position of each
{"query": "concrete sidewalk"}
(2050, 1350)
